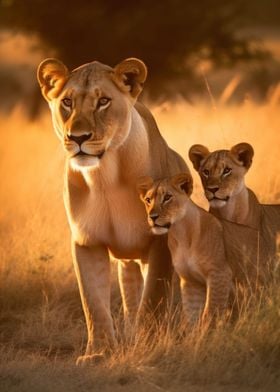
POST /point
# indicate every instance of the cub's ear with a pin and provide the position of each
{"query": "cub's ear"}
(244, 153)
(196, 154)
(130, 75)
(184, 182)
(52, 74)
(143, 185)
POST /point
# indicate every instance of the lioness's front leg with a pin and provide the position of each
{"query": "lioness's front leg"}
(92, 266)
(131, 286)
(158, 278)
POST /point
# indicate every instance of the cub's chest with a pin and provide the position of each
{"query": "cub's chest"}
(186, 262)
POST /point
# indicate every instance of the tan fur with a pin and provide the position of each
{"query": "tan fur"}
(120, 142)
(195, 239)
(222, 173)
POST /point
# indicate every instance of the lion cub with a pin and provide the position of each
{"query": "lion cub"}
(222, 174)
(195, 240)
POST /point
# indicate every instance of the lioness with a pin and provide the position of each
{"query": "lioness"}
(195, 239)
(109, 141)
(222, 175)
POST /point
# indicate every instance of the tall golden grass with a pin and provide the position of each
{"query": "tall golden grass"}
(41, 321)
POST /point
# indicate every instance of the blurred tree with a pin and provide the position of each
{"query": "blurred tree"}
(169, 35)
(262, 13)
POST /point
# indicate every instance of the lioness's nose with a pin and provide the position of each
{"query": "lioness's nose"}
(79, 139)
(213, 189)
(153, 216)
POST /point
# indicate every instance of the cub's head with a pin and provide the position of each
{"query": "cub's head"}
(222, 172)
(91, 106)
(165, 200)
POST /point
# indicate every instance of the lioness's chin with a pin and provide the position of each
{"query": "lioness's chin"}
(84, 162)
(159, 230)
(215, 203)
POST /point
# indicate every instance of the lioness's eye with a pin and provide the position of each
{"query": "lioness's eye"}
(167, 197)
(103, 101)
(67, 102)
(205, 172)
(227, 170)
(148, 200)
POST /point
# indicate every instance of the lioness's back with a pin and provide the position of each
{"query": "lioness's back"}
(163, 156)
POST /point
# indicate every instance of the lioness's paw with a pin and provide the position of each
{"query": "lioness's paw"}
(93, 359)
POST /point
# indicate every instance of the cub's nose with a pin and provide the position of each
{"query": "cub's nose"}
(153, 216)
(213, 189)
(79, 139)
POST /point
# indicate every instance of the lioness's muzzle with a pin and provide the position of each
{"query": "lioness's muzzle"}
(79, 139)
(166, 226)
(82, 153)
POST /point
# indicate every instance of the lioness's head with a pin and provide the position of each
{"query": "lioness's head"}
(222, 172)
(91, 105)
(165, 200)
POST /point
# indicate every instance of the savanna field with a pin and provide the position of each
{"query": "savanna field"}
(42, 328)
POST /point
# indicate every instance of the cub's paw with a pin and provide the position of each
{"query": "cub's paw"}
(93, 359)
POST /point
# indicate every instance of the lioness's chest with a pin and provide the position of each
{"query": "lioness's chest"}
(115, 218)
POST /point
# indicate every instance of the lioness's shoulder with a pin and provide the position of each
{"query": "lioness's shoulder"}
(147, 116)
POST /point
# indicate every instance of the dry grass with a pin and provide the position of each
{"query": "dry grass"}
(41, 323)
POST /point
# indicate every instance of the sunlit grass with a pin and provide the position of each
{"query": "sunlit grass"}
(41, 321)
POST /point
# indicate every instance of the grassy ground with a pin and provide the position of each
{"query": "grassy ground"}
(42, 329)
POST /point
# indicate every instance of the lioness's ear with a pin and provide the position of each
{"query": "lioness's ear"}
(196, 154)
(143, 184)
(244, 153)
(184, 182)
(130, 75)
(52, 75)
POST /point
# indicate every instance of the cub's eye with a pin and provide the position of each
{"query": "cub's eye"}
(167, 197)
(103, 101)
(148, 200)
(227, 170)
(205, 172)
(67, 102)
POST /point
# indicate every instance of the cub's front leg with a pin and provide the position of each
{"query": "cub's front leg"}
(92, 267)
(193, 300)
(202, 303)
(219, 285)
